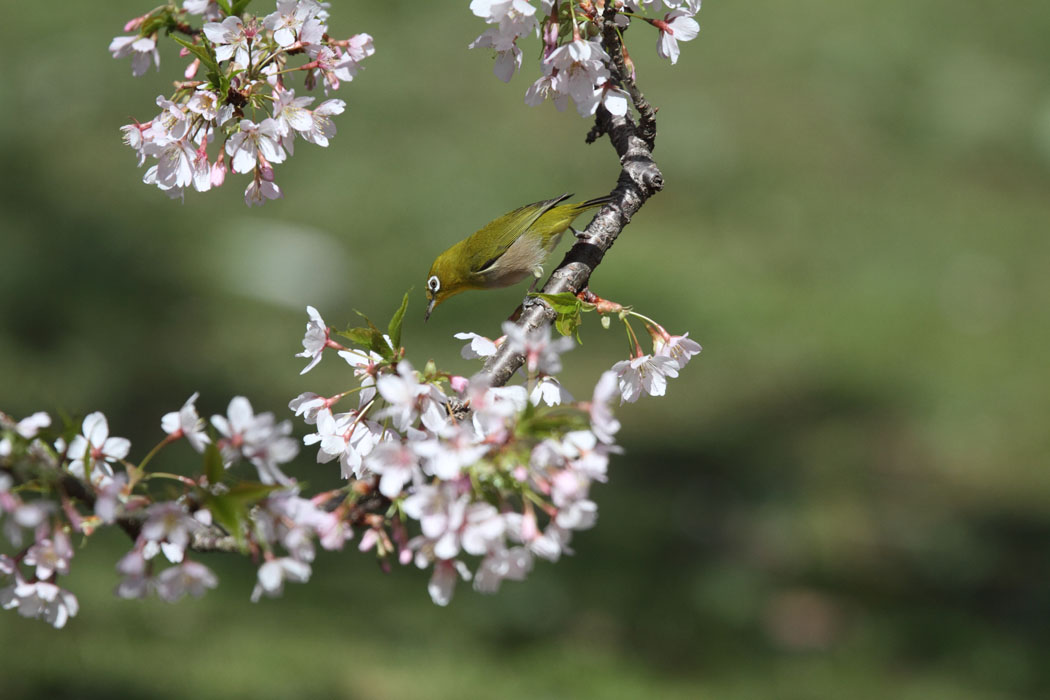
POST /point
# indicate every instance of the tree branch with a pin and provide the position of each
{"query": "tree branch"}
(639, 179)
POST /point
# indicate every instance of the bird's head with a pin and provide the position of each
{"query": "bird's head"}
(446, 278)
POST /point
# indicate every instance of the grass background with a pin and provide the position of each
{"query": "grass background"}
(846, 495)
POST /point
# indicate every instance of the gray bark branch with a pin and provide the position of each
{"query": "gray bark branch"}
(639, 179)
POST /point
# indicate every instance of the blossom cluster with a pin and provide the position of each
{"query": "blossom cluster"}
(574, 63)
(446, 472)
(480, 480)
(477, 481)
(234, 93)
(85, 483)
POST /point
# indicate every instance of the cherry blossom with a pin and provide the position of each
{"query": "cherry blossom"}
(307, 405)
(230, 39)
(478, 347)
(30, 426)
(397, 464)
(94, 447)
(317, 338)
(542, 355)
(258, 438)
(186, 423)
(676, 26)
(290, 113)
(189, 577)
(169, 525)
(549, 391)
(603, 424)
(254, 140)
(136, 583)
(679, 348)
(260, 190)
(410, 400)
(443, 581)
(208, 8)
(644, 374)
(40, 600)
(454, 448)
(289, 19)
(50, 556)
(502, 564)
(142, 50)
(275, 572)
(322, 127)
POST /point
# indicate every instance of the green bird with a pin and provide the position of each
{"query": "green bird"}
(505, 250)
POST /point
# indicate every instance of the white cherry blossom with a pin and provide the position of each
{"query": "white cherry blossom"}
(94, 447)
(142, 49)
(676, 26)
(230, 39)
(275, 572)
(289, 18)
(644, 374)
(254, 140)
(189, 577)
(679, 348)
(186, 423)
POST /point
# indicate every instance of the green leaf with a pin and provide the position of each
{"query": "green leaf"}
(377, 343)
(231, 513)
(224, 5)
(564, 302)
(569, 324)
(359, 336)
(394, 329)
(200, 52)
(239, 6)
(230, 509)
(213, 466)
(249, 492)
(569, 310)
(154, 23)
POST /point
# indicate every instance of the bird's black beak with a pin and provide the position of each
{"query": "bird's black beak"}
(430, 308)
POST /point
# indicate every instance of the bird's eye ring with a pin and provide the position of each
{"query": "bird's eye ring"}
(433, 284)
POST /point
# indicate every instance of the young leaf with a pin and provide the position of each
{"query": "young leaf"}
(359, 336)
(569, 310)
(224, 5)
(213, 466)
(231, 513)
(394, 329)
(248, 492)
(564, 302)
(569, 324)
(200, 52)
(239, 7)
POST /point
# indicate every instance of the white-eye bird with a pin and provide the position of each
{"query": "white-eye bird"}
(505, 250)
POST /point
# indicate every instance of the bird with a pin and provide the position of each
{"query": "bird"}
(505, 250)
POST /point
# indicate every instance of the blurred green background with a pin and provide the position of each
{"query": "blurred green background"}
(845, 496)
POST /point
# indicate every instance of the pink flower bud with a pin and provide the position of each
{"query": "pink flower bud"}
(134, 24)
(459, 384)
(218, 170)
(529, 529)
(368, 540)
(191, 70)
(265, 169)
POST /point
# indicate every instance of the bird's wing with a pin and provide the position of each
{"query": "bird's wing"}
(497, 236)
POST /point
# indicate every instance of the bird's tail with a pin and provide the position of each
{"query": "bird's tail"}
(596, 202)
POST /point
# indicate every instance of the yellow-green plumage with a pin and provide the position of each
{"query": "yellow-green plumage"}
(504, 251)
